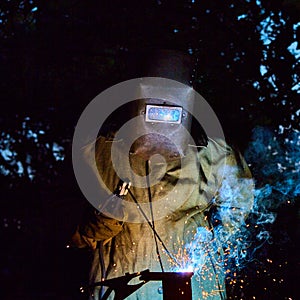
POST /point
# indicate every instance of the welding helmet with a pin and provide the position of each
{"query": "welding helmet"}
(160, 119)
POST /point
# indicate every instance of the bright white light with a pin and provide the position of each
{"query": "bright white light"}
(186, 269)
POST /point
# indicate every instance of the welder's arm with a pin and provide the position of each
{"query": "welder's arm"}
(97, 227)
(94, 225)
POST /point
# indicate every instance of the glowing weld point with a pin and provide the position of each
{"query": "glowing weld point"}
(186, 269)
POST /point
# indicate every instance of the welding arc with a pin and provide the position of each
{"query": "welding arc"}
(152, 228)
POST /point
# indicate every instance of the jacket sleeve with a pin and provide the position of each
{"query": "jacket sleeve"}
(95, 227)
(101, 227)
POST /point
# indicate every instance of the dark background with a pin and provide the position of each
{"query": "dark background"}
(56, 56)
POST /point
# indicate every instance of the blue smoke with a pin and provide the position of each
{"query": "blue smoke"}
(274, 159)
(242, 228)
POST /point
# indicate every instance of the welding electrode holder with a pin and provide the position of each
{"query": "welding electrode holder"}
(176, 285)
(110, 203)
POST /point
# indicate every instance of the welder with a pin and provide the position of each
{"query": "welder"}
(154, 155)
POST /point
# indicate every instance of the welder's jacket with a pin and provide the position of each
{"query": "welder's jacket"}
(128, 245)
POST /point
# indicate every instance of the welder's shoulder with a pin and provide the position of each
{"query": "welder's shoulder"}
(219, 145)
(215, 151)
(219, 153)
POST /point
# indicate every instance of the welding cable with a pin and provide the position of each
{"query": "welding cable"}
(153, 229)
(152, 217)
(102, 267)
